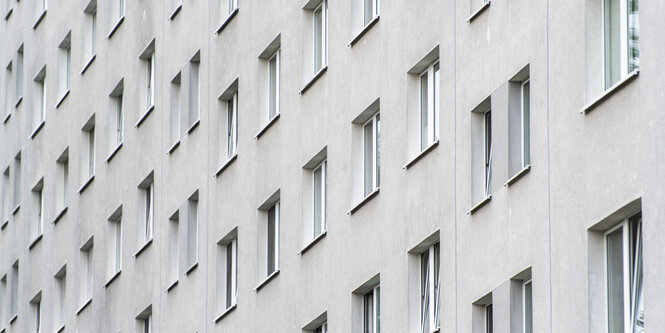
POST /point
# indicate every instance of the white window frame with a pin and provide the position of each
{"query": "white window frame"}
(375, 314)
(119, 119)
(487, 149)
(323, 7)
(232, 126)
(117, 247)
(91, 152)
(321, 329)
(232, 5)
(489, 318)
(524, 319)
(323, 166)
(276, 206)
(40, 212)
(149, 211)
(525, 118)
(374, 14)
(623, 43)
(38, 316)
(150, 82)
(433, 307)
(275, 56)
(93, 33)
(147, 324)
(233, 275)
(432, 74)
(375, 121)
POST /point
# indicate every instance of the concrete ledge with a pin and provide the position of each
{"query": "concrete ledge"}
(518, 175)
(13, 319)
(479, 205)
(18, 101)
(421, 154)
(312, 242)
(226, 21)
(363, 201)
(226, 164)
(144, 116)
(171, 286)
(115, 27)
(87, 64)
(363, 31)
(36, 130)
(267, 126)
(192, 268)
(266, 280)
(175, 12)
(86, 184)
(84, 306)
(60, 215)
(62, 99)
(478, 12)
(193, 127)
(314, 79)
(39, 20)
(61, 329)
(226, 312)
(4, 224)
(113, 278)
(173, 147)
(7, 116)
(609, 92)
(35, 241)
(113, 153)
(9, 13)
(142, 248)
(16, 209)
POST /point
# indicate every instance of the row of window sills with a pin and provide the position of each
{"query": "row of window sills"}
(421, 155)
(266, 280)
(313, 242)
(314, 79)
(35, 241)
(175, 12)
(86, 184)
(142, 248)
(115, 27)
(479, 11)
(39, 20)
(113, 153)
(112, 278)
(610, 91)
(362, 202)
(84, 306)
(226, 21)
(518, 175)
(145, 115)
(60, 215)
(87, 64)
(364, 30)
(482, 203)
(37, 129)
(226, 312)
(226, 165)
(267, 126)
(62, 98)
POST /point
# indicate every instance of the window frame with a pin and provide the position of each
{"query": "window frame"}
(323, 166)
(375, 120)
(276, 220)
(150, 81)
(375, 11)
(119, 109)
(487, 148)
(149, 221)
(232, 126)
(433, 288)
(433, 77)
(374, 293)
(489, 318)
(275, 89)
(624, 41)
(231, 274)
(524, 306)
(323, 7)
(525, 121)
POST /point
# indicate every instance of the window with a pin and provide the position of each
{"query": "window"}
(320, 36)
(175, 114)
(489, 326)
(192, 231)
(144, 320)
(527, 306)
(231, 273)
(228, 124)
(371, 144)
(117, 118)
(227, 273)
(63, 181)
(5, 197)
(273, 106)
(318, 325)
(147, 324)
(273, 239)
(194, 93)
(321, 329)
(36, 304)
(64, 67)
(488, 152)
(366, 307)
(269, 84)
(227, 10)
(430, 280)
(147, 59)
(147, 204)
(19, 75)
(525, 104)
(519, 104)
(149, 211)
(38, 215)
(13, 297)
(39, 113)
(150, 81)
(60, 295)
(174, 249)
(88, 154)
(117, 11)
(17, 181)
(268, 240)
(7, 95)
(3, 301)
(90, 33)
(115, 243)
(623, 261)
(319, 183)
(370, 10)
(481, 154)
(371, 311)
(85, 273)
(314, 199)
(429, 106)
(621, 39)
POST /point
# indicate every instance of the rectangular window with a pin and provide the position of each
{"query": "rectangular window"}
(118, 119)
(36, 303)
(429, 106)
(371, 311)
(273, 98)
(319, 190)
(39, 113)
(60, 294)
(3, 301)
(64, 66)
(121, 8)
(90, 164)
(321, 329)
(488, 151)
(150, 81)
(174, 248)
(621, 39)
(231, 273)
(7, 95)
(527, 306)
(85, 271)
(17, 181)
(371, 136)
(273, 239)
(149, 210)
(147, 324)
(38, 191)
(115, 255)
(194, 93)
(144, 320)
(192, 230)
(489, 326)
(232, 126)
(63, 181)
(90, 35)
(623, 260)
(526, 119)
(232, 5)
(176, 111)
(13, 297)
(19, 75)
(321, 36)
(429, 288)
(5, 196)
(370, 10)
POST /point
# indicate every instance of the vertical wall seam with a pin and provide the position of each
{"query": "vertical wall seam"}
(549, 167)
(455, 152)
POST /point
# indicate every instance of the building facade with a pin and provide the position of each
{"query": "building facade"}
(331, 165)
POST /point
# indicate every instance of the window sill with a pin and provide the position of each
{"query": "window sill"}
(226, 164)
(36, 131)
(171, 286)
(226, 312)
(518, 175)
(13, 319)
(191, 269)
(113, 278)
(113, 153)
(35, 242)
(363, 31)
(16, 209)
(39, 20)
(478, 12)
(193, 127)
(314, 79)
(267, 126)
(479, 205)
(173, 147)
(18, 102)
(84, 306)
(62, 99)
(61, 329)
(363, 201)
(142, 248)
(226, 21)
(175, 12)
(144, 116)
(87, 64)
(9, 13)
(421, 154)
(115, 27)
(4, 224)
(9, 115)
(86, 184)
(610, 91)
(60, 215)
(266, 280)
(312, 242)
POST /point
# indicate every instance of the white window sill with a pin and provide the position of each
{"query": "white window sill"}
(35, 241)
(478, 12)
(173, 147)
(191, 269)
(62, 99)
(7, 116)
(142, 248)
(226, 312)
(171, 286)
(193, 127)
(18, 102)
(363, 31)
(610, 91)
(61, 329)
(37, 129)
(113, 153)
(60, 215)
(39, 20)
(84, 306)
(267, 126)
(518, 175)
(15, 210)
(266, 280)
(314, 79)
(226, 164)
(421, 155)
(115, 27)
(144, 116)
(86, 184)
(363, 201)
(226, 21)
(175, 12)
(87, 64)
(113, 278)
(479, 205)
(312, 242)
